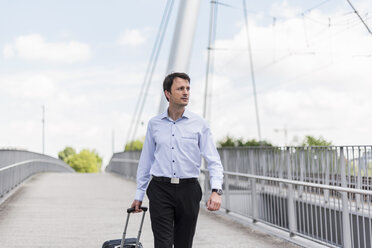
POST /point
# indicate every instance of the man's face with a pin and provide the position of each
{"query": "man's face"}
(180, 92)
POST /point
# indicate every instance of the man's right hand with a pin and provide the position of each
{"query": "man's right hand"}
(137, 205)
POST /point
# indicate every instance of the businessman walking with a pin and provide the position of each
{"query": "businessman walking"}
(169, 167)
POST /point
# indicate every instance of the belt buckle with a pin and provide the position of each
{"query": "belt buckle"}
(175, 180)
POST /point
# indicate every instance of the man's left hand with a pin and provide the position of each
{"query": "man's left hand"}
(214, 202)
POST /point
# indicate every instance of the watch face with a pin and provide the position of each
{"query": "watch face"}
(218, 191)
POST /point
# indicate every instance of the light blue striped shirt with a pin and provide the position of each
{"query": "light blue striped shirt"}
(175, 148)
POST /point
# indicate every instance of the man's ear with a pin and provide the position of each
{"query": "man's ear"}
(167, 93)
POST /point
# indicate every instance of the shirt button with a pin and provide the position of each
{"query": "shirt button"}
(174, 123)
(174, 173)
(173, 161)
(172, 147)
(172, 134)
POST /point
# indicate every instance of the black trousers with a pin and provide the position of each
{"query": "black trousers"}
(174, 210)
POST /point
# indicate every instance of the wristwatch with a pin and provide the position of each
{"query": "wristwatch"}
(218, 191)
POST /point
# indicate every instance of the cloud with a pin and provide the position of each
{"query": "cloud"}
(318, 83)
(28, 86)
(283, 10)
(8, 51)
(34, 47)
(133, 37)
(83, 107)
(310, 77)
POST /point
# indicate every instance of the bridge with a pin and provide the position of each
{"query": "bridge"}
(274, 196)
(83, 210)
(286, 197)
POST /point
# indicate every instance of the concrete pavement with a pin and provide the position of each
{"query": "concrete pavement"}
(83, 210)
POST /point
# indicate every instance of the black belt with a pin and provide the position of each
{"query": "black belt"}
(174, 180)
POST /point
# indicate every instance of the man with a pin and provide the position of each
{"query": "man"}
(171, 155)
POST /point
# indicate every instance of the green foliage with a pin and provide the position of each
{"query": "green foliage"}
(135, 145)
(232, 142)
(66, 153)
(227, 142)
(312, 141)
(86, 161)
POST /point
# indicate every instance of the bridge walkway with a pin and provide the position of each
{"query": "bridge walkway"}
(83, 210)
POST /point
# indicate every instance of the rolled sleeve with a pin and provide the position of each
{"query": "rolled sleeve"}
(144, 165)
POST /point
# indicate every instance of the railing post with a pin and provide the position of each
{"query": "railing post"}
(253, 182)
(291, 201)
(345, 204)
(227, 193)
(226, 159)
(280, 165)
(359, 179)
(327, 169)
(302, 171)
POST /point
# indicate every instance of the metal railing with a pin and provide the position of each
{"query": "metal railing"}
(320, 193)
(124, 163)
(17, 166)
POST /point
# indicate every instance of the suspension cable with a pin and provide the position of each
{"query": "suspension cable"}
(361, 19)
(149, 72)
(210, 56)
(252, 71)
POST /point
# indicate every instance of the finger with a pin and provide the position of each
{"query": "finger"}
(211, 206)
(208, 203)
(215, 206)
(137, 208)
(212, 209)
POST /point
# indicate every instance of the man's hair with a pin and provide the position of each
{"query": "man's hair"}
(168, 81)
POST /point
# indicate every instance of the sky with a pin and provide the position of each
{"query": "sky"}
(85, 62)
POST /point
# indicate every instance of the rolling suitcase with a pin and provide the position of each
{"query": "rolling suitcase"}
(130, 242)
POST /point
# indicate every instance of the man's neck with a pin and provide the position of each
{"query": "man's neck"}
(175, 112)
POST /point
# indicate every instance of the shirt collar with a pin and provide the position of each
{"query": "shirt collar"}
(185, 114)
(164, 114)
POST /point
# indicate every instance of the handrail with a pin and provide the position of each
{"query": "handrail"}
(13, 174)
(125, 160)
(321, 193)
(31, 161)
(275, 179)
(300, 183)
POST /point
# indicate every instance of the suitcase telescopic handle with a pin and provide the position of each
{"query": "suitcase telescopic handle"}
(131, 210)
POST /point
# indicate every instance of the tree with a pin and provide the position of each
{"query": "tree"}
(254, 142)
(227, 142)
(232, 142)
(84, 161)
(312, 141)
(66, 153)
(135, 145)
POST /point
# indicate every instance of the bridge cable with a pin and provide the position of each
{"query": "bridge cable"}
(274, 38)
(210, 56)
(275, 60)
(361, 19)
(149, 72)
(253, 11)
(252, 71)
(152, 71)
